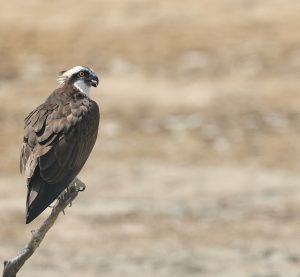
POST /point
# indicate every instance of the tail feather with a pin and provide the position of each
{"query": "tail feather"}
(40, 195)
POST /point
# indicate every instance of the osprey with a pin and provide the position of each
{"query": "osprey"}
(58, 138)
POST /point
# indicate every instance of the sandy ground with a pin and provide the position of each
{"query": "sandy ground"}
(195, 172)
(224, 221)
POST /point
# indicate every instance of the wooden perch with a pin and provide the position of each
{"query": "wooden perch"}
(12, 266)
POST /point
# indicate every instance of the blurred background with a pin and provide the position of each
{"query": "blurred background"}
(195, 171)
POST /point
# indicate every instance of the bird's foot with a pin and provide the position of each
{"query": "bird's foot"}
(62, 196)
(80, 188)
(79, 185)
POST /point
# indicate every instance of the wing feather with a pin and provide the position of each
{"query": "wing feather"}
(58, 138)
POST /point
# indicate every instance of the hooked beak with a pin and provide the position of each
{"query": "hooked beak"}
(93, 80)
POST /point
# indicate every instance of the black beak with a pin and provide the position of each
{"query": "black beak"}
(94, 81)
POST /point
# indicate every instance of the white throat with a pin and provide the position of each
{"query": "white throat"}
(83, 87)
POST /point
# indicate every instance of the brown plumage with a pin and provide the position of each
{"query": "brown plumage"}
(58, 138)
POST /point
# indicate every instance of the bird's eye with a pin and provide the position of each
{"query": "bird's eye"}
(81, 74)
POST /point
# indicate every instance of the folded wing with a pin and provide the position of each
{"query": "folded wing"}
(58, 139)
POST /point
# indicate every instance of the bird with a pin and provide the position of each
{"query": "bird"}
(59, 136)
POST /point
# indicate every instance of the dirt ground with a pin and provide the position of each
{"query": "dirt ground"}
(195, 171)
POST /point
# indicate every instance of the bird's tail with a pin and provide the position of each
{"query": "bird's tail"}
(40, 195)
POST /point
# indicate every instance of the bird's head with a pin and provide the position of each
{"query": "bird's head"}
(80, 77)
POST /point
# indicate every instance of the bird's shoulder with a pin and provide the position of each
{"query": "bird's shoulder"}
(56, 121)
(62, 110)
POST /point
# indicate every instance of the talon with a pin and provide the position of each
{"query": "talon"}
(63, 211)
(61, 197)
(70, 205)
(68, 188)
(79, 189)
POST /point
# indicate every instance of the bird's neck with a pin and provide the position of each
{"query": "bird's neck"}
(82, 87)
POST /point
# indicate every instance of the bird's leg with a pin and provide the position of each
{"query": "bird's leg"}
(67, 191)
(76, 185)
(62, 197)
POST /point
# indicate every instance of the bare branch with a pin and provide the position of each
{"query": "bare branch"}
(12, 266)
